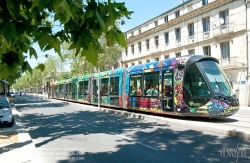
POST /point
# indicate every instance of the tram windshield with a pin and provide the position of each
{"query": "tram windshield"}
(216, 77)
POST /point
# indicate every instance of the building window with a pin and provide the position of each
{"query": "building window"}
(139, 62)
(139, 46)
(166, 37)
(178, 34)
(204, 2)
(139, 31)
(177, 13)
(147, 44)
(156, 41)
(225, 53)
(191, 29)
(126, 51)
(190, 7)
(147, 61)
(166, 56)
(132, 49)
(132, 33)
(224, 17)
(178, 54)
(166, 18)
(207, 50)
(206, 27)
(157, 59)
(132, 64)
(126, 66)
(156, 23)
(191, 51)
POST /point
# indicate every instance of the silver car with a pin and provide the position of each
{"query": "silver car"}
(6, 116)
(12, 94)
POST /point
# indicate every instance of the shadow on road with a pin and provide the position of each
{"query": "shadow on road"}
(184, 145)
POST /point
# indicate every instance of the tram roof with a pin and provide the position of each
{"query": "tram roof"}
(169, 63)
(109, 73)
(197, 58)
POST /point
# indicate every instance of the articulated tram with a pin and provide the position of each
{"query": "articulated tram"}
(192, 85)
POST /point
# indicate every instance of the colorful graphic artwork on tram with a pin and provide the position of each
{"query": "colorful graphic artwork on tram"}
(159, 86)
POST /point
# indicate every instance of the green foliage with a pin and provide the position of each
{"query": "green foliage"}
(25, 22)
(43, 73)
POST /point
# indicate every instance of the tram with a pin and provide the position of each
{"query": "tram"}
(192, 85)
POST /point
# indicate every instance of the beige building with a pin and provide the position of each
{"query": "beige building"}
(218, 28)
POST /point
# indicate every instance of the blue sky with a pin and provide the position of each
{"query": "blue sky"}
(144, 10)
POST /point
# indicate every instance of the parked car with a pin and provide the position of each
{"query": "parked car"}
(6, 116)
(12, 94)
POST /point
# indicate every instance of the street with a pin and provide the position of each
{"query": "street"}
(80, 133)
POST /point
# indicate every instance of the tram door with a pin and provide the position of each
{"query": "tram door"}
(167, 91)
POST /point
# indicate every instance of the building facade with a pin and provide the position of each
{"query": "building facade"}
(217, 28)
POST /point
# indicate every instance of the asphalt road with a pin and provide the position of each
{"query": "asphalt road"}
(80, 133)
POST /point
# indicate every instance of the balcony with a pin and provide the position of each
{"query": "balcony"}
(224, 29)
(190, 39)
(178, 42)
(231, 63)
(206, 34)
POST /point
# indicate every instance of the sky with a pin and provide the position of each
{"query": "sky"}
(144, 10)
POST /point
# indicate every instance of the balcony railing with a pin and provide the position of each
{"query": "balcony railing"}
(178, 42)
(206, 34)
(190, 39)
(227, 28)
(229, 61)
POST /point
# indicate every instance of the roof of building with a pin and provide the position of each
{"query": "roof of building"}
(182, 4)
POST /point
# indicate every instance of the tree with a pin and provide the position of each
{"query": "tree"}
(51, 71)
(80, 66)
(82, 23)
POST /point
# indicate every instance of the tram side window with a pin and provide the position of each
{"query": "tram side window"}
(136, 85)
(167, 84)
(61, 88)
(104, 86)
(85, 87)
(114, 86)
(69, 88)
(194, 83)
(95, 88)
(151, 81)
(80, 88)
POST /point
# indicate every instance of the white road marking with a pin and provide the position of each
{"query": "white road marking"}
(55, 110)
(138, 142)
(90, 124)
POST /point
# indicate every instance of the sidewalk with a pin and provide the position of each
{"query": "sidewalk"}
(237, 125)
(16, 145)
